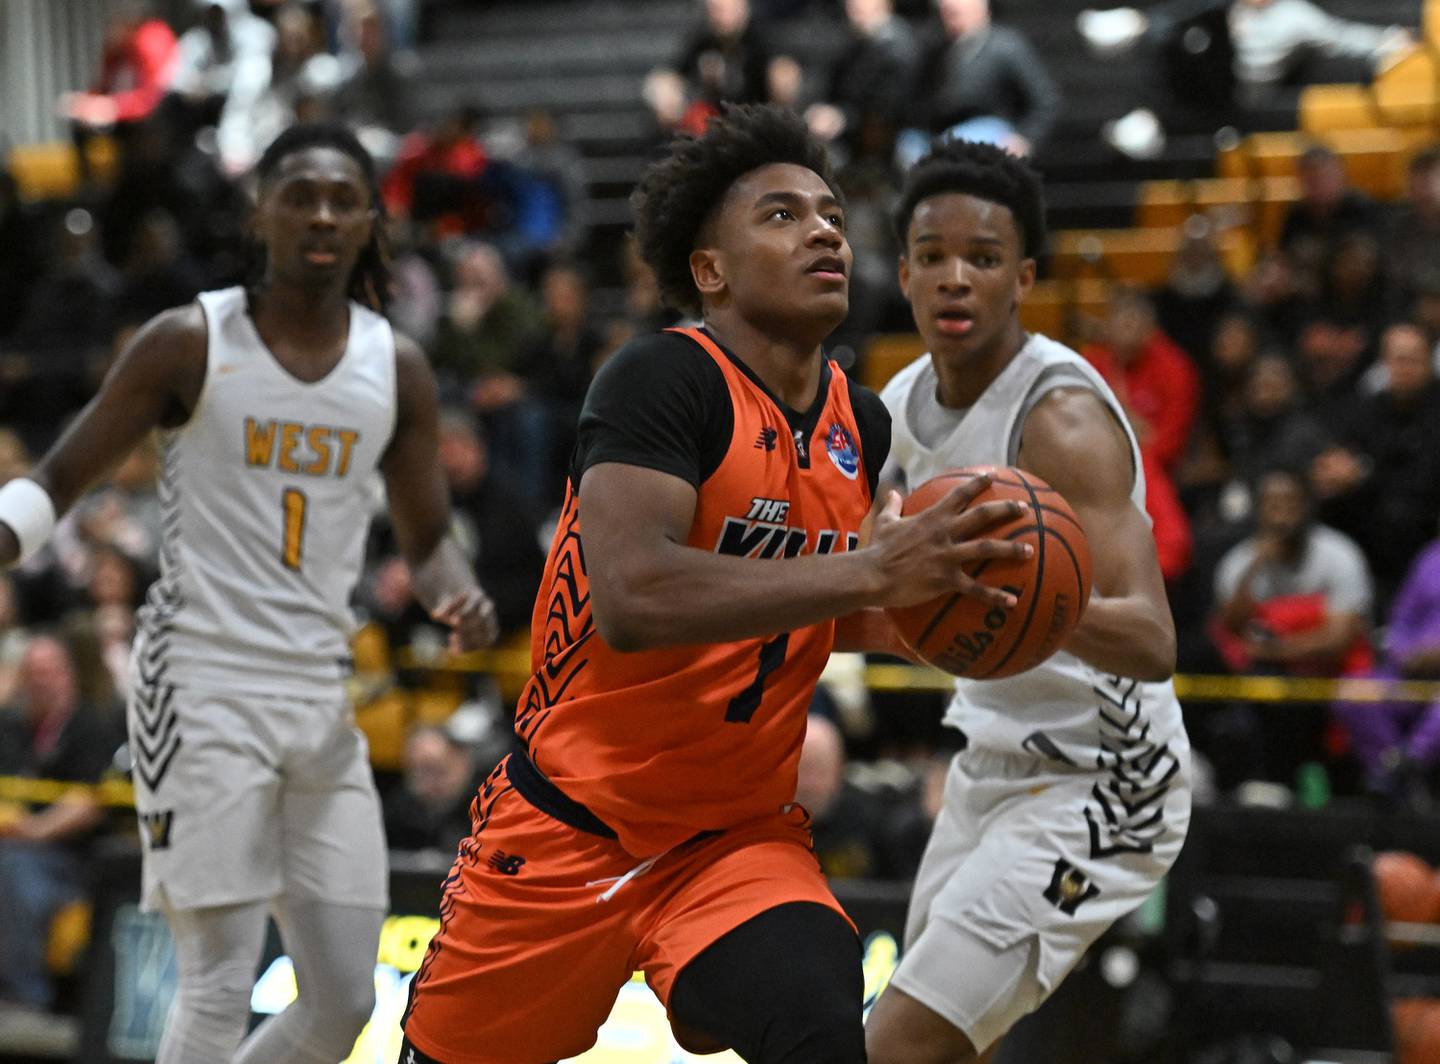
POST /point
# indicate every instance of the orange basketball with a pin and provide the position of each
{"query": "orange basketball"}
(1417, 1030)
(963, 635)
(1407, 887)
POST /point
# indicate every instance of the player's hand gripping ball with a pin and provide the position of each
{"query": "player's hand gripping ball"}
(979, 641)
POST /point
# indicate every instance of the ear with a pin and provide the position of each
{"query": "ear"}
(708, 271)
(903, 271)
(1024, 279)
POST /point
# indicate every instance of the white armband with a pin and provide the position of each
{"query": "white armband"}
(28, 511)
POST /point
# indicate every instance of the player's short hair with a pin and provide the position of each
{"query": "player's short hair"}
(370, 280)
(983, 171)
(680, 193)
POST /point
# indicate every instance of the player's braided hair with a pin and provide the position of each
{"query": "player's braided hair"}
(678, 194)
(370, 279)
(983, 171)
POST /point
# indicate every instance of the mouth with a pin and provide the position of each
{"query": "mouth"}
(321, 256)
(955, 321)
(828, 268)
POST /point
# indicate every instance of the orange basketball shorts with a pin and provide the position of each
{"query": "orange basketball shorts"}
(542, 923)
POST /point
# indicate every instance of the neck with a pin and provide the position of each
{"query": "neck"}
(293, 308)
(789, 366)
(960, 387)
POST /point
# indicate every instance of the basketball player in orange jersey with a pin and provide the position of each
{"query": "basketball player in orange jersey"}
(710, 534)
(1071, 797)
(278, 402)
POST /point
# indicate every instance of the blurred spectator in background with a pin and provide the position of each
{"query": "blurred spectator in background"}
(1398, 744)
(54, 351)
(1198, 291)
(844, 820)
(1380, 481)
(430, 809)
(1412, 244)
(907, 828)
(416, 298)
(1328, 209)
(371, 95)
(1295, 598)
(1340, 332)
(981, 82)
(302, 76)
(222, 71)
(158, 273)
(12, 639)
(1272, 428)
(51, 734)
(868, 87)
(726, 59)
(20, 261)
(497, 528)
(550, 210)
(439, 178)
(1155, 381)
(136, 68)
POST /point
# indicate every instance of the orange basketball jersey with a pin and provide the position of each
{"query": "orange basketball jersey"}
(663, 744)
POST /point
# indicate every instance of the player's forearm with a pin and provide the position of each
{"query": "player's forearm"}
(67, 818)
(871, 632)
(441, 574)
(687, 595)
(1125, 636)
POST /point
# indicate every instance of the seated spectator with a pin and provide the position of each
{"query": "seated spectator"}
(1156, 382)
(909, 825)
(844, 820)
(488, 325)
(1276, 293)
(302, 75)
(51, 734)
(495, 522)
(1272, 429)
(981, 82)
(1398, 744)
(868, 87)
(439, 178)
(1412, 243)
(727, 59)
(550, 213)
(1380, 481)
(1198, 292)
(136, 68)
(1328, 209)
(20, 261)
(430, 809)
(1340, 333)
(1294, 598)
(159, 273)
(371, 94)
(222, 71)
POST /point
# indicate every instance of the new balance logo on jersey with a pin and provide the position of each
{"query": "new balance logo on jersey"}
(506, 864)
(768, 439)
(157, 828)
(1069, 887)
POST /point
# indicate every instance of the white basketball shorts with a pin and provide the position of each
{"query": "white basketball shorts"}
(245, 797)
(1028, 864)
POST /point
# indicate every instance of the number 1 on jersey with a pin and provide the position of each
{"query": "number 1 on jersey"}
(292, 502)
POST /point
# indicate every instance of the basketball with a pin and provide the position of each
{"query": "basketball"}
(1417, 1030)
(1407, 887)
(970, 638)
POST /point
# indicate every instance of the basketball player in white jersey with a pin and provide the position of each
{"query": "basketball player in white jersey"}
(277, 402)
(1070, 799)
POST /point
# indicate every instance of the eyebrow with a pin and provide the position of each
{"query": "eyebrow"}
(993, 241)
(786, 197)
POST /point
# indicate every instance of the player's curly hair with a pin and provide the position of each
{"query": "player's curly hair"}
(678, 195)
(370, 279)
(980, 170)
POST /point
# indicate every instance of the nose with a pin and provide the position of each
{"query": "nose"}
(324, 214)
(953, 278)
(825, 234)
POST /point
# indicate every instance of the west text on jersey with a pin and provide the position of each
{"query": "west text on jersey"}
(293, 447)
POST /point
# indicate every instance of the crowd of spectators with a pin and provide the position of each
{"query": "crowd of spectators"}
(1284, 416)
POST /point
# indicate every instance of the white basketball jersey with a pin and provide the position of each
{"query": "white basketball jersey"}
(1062, 709)
(266, 496)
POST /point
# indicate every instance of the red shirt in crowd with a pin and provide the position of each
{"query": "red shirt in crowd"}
(1160, 388)
(136, 71)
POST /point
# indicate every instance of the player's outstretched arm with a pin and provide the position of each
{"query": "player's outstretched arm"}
(441, 575)
(1072, 441)
(649, 588)
(155, 382)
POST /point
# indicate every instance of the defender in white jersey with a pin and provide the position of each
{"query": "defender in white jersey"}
(278, 403)
(1070, 799)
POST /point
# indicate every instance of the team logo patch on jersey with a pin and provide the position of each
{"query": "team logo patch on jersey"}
(1069, 887)
(840, 446)
(157, 828)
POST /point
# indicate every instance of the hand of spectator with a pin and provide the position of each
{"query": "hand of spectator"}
(1397, 45)
(496, 390)
(472, 619)
(88, 108)
(786, 78)
(1336, 471)
(826, 121)
(392, 588)
(1421, 663)
(664, 91)
(1017, 145)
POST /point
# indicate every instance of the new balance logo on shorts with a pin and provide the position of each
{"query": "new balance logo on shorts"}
(1069, 887)
(505, 864)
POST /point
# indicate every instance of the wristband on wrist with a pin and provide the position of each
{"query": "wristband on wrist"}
(26, 509)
